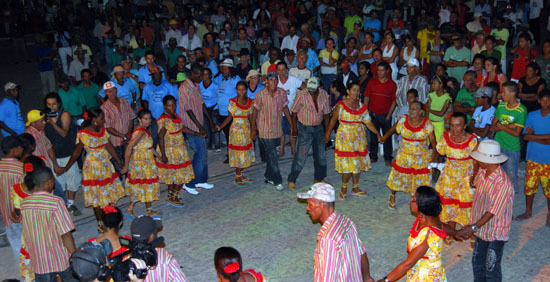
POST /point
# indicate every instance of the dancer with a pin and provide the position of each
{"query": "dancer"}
(453, 185)
(174, 167)
(350, 153)
(229, 267)
(240, 147)
(112, 221)
(139, 162)
(410, 167)
(100, 181)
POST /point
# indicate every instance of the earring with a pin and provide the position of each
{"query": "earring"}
(95, 123)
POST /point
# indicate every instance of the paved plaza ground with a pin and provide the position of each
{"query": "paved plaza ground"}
(273, 232)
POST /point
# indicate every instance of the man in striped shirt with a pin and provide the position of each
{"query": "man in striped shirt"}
(310, 111)
(340, 254)
(11, 173)
(269, 105)
(47, 227)
(491, 212)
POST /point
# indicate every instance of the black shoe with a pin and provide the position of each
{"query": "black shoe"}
(73, 210)
(226, 161)
(269, 181)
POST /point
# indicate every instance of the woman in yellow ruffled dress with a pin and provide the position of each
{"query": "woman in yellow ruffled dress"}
(175, 168)
(410, 167)
(453, 184)
(240, 147)
(351, 150)
(100, 182)
(142, 180)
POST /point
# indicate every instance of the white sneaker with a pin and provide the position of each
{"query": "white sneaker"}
(189, 190)
(279, 187)
(204, 185)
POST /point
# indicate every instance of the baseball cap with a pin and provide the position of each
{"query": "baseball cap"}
(344, 64)
(484, 92)
(227, 63)
(272, 74)
(181, 77)
(88, 259)
(173, 21)
(10, 86)
(108, 85)
(319, 191)
(413, 62)
(312, 83)
(143, 226)
(251, 73)
(34, 115)
(271, 68)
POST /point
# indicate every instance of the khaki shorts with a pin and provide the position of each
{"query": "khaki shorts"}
(71, 179)
(536, 174)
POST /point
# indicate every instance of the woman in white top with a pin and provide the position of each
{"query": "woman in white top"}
(408, 52)
(365, 53)
(350, 54)
(389, 53)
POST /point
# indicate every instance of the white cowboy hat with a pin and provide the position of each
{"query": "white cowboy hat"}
(489, 152)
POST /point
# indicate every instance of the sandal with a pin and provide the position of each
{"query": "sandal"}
(246, 179)
(174, 200)
(152, 213)
(239, 180)
(100, 227)
(343, 192)
(129, 212)
(391, 202)
(355, 191)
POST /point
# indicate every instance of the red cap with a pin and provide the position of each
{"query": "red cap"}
(271, 68)
(344, 64)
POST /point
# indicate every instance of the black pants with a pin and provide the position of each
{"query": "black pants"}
(380, 122)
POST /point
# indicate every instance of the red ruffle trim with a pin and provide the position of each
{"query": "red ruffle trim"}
(102, 182)
(246, 107)
(462, 205)
(19, 191)
(144, 130)
(174, 166)
(98, 147)
(25, 253)
(347, 121)
(240, 148)
(351, 154)
(462, 159)
(439, 232)
(95, 134)
(176, 132)
(174, 120)
(360, 111)
(409, 170)
(413, 140)
(240, 116)
(142, 181)
(414, 129)
(453, 145)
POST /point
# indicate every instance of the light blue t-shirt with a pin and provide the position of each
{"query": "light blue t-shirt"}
(123, 91)
(210, 94)
(227, 89)
(374, 24)
(212, 66)
(537, 152)
(153, 94)
(144, 75)
(10, 115)
(483, 118)
(252, 95)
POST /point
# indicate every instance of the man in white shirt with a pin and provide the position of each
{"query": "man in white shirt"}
(189, 41)
(290, 84)
(173, 32)
(484, 9)
(77, 65)
(291, 40)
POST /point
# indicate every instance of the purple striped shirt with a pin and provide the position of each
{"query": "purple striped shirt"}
(494, 194)
(167, 269)
(339, 250)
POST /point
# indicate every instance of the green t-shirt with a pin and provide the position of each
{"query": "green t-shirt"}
(437, 104)
(72, 101)
(496, 54)
(501, 35)
(462, 55)
(89, 94)
(465, 98)
(506, 116)
(116, 58)
(140, 52)
(172, 57)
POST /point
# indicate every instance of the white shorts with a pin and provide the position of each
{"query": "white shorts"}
(71, 179)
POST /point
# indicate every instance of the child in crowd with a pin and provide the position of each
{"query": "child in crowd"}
(412, 95)
(438, 104)
(483, 114)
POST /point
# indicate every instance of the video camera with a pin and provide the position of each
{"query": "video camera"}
(121, 264)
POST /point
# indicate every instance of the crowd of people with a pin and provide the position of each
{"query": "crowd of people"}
(456, 87)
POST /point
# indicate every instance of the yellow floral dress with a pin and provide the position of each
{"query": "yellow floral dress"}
(17, 195)
(429, 267)
(100, 181)
(351, 149)
(453, 185)
(143, 181)
(410, 167)
(240, 147)
(178, 170)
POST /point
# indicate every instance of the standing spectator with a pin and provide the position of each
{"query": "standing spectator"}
(408, 52)
(291, 85)
(172, 53)
(422, 39)
(61, 131)
(144, 75)
(193, 110)
(436, 51)
(310, 116)
(125, 87)
(152, 95)
(119, 120)
(11, 120)
(301, 71)
(523, 54)
(312, 61)
(483, 113)
(291, 40)
(390, 52)
(340, 254)
(491, 212)
(374, 26)
(328, 58)
(73, 102)
(190, 41)
(98, 77)
(147, 32)
(88, 89)
(269, 106)
(490, 50)
(544, 61)
(537, 128)
(36, 124)
(47, 227)
(62, 41)
(501, 35)
(413, 80)
(535, 7)
(346, 75)
(457, 58)
(11, 173)
(273, 55)
(381, 101)
(238, 45)
(478, 45)
(484, 9)
(508, 123)
(77, 65)
(179, 67)
(254, 85)
(173, 32)
(227, 85)
(44, 56)
(530, 87)
(209, 93)
(365, 52)
(439, 102)
(244, 66)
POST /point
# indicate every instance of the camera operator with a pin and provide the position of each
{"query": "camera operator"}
(89, 263)
(61, 131)
(144, 230)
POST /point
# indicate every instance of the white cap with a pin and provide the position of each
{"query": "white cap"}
(108, 85)
(319, 191)
(413, 62)
(9, 86)
(227, 63)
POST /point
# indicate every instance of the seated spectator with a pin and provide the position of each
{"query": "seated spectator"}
(77, 65)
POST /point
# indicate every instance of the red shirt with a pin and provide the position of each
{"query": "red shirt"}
(374, 69)
(401, 23)
(381, 95)
(520, 64)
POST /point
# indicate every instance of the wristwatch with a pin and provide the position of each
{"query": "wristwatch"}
(124, 138)
(474, 228)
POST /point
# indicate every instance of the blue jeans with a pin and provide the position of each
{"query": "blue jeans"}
(13, 233)
(66, 275)
(200, 165)
(272, 172)
(511, 166)
(309, 136)
(326, 80)
(486, 260)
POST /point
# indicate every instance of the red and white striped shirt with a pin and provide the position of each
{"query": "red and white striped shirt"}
(167, 269)
(117, 119)
(45, 218)
(304, 106)
(190, 98)
(11, 173)
(270, 112)
(42, 143)
(494, 194)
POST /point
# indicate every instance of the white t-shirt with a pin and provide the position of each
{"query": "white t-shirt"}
(290, 87)
(302, 74)
(483, 118)
(535, 7)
